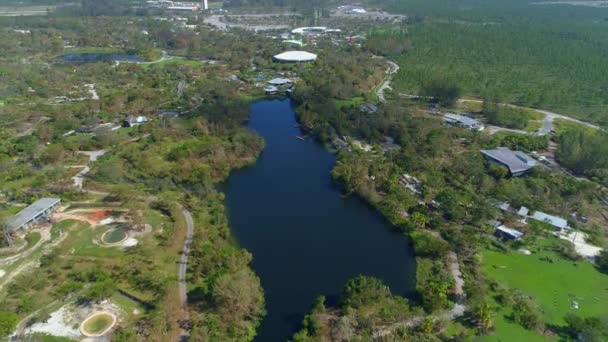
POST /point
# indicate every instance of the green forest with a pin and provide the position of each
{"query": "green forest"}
(549, 57)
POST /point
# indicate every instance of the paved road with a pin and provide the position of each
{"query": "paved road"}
(547, 121)
(390, 72)
(183, 266)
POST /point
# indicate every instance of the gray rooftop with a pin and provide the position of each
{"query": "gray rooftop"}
(512, 232)
(29, 213)
(550, 219)
(461, 119)
(515, 161)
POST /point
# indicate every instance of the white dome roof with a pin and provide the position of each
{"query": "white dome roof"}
(295, 56)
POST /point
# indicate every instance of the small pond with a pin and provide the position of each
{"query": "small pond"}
(114, 235)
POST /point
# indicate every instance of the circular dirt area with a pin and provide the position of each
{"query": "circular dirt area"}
(98, 324)
(114, 236)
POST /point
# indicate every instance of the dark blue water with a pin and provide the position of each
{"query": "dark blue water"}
(306, 239)
(98, 57)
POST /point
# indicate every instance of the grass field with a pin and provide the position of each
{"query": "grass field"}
(553, 285)
(80, 241)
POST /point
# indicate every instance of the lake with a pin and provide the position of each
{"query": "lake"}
(98, 57)
(306, 238)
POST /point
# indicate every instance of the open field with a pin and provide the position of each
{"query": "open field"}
(553, 285)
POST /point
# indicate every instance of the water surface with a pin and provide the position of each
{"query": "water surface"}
(306, 238)
(98, 57)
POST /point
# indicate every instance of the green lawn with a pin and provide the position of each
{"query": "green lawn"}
(355, 101)
(553, 285)
(80, 241)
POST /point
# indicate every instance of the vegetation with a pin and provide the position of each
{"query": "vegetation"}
(507, 116)
(583, 151)
(525, 53)
(365, 305)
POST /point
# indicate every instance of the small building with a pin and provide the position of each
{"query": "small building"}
(411, 183)
(36, 213)
(523, 212)
(463, 121)
(271, 90)
(507, 233)
(168, 113)
(368, 108)
(314, 30)
(294, 42)
(516, 162)
(557, 222)
(279, 81)
(132, 121)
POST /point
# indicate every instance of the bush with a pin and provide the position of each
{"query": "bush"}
(601, 261)
(526, 313)
(8, 322)
(427, 245)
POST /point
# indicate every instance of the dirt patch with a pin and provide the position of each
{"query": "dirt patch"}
(99, 215)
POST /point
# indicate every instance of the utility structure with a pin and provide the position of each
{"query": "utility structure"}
(205, 5)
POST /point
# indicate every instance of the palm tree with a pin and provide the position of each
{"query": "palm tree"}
(484, 315)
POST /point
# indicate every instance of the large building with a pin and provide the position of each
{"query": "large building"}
(34, 214)
(295, 57)
(517, 162)
(463, 121)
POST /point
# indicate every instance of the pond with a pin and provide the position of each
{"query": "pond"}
(98, 57)
(306, 238)
(114, 235)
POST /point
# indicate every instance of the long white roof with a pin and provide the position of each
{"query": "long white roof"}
(31, 212)
(296, 56)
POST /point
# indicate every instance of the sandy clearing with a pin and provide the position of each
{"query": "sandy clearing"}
(60, 324)
(581, 246)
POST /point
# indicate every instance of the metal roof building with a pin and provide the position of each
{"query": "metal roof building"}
(555, 221)
(33, 213)
(508, 233)
(463, 121)
(517, 162)
(295, 57)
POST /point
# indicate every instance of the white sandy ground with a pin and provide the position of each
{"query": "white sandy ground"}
(130, 242)
(583, 248)
(61, 323)
(107, 221)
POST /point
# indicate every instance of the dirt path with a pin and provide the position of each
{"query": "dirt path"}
(45, 235)
(183, 266)
(30, 264)
(93, 156)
